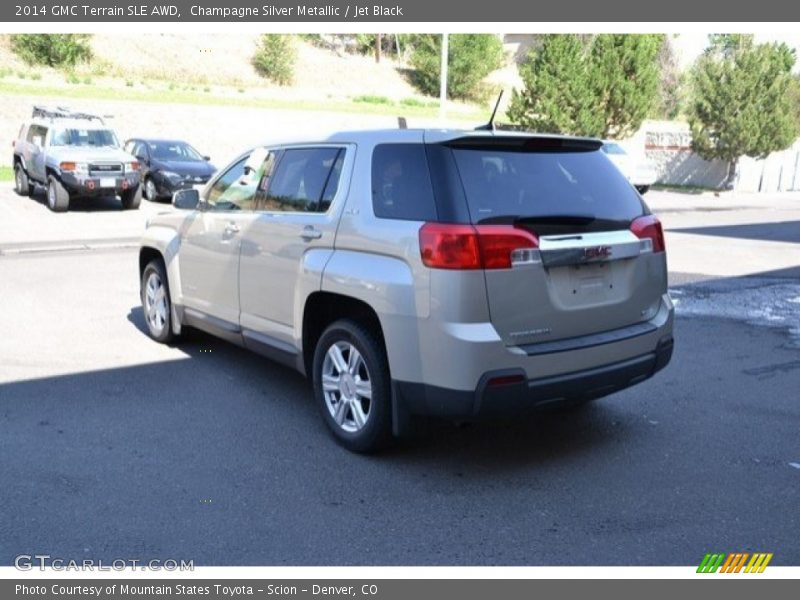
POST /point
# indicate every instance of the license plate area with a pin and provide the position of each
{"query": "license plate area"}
(108, 182)
(586, 285)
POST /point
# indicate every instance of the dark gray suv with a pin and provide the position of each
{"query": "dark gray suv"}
(421, 272)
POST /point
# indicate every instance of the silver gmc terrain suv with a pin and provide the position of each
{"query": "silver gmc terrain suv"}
(407, 272)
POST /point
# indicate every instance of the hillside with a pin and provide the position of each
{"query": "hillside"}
(218, 65)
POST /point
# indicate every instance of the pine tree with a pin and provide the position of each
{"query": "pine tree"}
(625, 75)
(599, 86)
(557, 89)
(741, 100)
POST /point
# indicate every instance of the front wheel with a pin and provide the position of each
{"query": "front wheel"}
(57, 195)
(150, 190)
(156, 301)
(352, 386)
(22, 184)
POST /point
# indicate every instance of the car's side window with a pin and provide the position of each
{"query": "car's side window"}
(401, 183)
(37, 134)
(305, 180)
(238, 187)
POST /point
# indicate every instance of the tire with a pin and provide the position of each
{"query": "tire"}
(356, 407)
(157, 302)
(22, 184)
(150, 190)
(131, 199)
(57, 195)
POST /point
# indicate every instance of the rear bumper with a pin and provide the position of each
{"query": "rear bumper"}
(508, 391)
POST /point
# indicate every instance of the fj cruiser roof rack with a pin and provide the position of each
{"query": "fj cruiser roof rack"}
(61, 112)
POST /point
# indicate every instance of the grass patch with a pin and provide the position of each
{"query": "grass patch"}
(683, 189)
(370, 99)
(178, 96)
(416, 102)
(6, 174)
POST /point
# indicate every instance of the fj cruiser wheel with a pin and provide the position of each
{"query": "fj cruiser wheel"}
(57, 196)
(131, 199)
(22, 184)
(156, 301)
(150, 191)
(352, 387)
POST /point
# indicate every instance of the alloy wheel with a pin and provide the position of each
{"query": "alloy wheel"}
(346, 386)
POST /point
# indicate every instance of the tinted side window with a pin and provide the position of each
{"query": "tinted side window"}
(401, 183)
(305, 180)
(232, 189)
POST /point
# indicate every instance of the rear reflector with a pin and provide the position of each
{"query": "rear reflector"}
(649, 227)
(505, 380)
(451, 246)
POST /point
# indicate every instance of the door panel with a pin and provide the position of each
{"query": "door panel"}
(276, 252)
(210, 245)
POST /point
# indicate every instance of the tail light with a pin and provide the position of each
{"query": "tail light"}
(67, 166)
(649, 227)
(451, 246)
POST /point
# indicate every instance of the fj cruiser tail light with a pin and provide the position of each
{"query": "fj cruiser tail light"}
(649, 227)
(450, 246)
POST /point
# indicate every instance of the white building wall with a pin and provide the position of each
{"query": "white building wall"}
(668, 145)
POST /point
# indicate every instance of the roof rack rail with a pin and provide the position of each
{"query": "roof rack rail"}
(61, 112)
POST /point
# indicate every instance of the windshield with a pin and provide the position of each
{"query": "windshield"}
(175, 151)
(575, 188)
(611, 148)
(84, 137)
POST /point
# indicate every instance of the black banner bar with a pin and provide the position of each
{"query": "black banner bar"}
(400, 11)
(730, 588)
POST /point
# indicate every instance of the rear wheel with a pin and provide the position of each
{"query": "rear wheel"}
(156, 301)
(57, 195)
(352, 386)
(22, 184)
(131, 198)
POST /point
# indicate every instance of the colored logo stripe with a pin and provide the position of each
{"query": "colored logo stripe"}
(734, 562)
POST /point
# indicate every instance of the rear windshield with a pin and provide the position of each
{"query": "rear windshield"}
(570, 188)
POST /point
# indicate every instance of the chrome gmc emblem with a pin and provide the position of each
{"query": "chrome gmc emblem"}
(596, 253)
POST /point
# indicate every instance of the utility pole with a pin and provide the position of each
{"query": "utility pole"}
(377, 47)
(443, 78)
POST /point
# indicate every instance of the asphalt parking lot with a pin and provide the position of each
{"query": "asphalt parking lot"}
(116, 447)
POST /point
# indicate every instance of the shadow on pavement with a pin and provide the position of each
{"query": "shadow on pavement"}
(98, 204)
(784, 231)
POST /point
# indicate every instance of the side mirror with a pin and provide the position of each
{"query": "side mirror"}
(186, 199)
(207, 158)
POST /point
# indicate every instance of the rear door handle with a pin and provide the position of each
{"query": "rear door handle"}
(309, 233)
